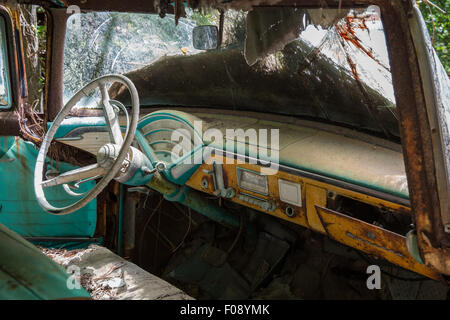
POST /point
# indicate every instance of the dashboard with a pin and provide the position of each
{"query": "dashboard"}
(326, 178)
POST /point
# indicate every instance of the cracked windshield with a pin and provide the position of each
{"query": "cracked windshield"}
(324, 65)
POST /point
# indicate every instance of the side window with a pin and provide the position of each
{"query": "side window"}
(5, 87)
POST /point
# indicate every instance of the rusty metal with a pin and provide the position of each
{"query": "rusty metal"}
(86, 112)
(57, 29)
(20, 57)
(30, 123)
(105, 210)
(48, 51)
(414, 125)
(221, 21)
(117, 5)
(19, 120)
(9, 124)
(416, 136)
(371, 239)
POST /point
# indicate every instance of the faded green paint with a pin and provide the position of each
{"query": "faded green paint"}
(5, 144)
(70, 124)
(19, 208)
(27, 274)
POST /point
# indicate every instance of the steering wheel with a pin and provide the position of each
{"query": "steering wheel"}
(110, 157)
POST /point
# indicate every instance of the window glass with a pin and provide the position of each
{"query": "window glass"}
(5, 89)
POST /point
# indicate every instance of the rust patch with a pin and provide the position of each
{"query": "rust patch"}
(372, 239)
(31, 124)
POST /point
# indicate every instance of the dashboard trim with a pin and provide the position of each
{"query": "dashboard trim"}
(320, 178)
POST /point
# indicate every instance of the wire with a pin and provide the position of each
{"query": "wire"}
(186, 234)
(141, 239)
(158, 232)
(238, 236)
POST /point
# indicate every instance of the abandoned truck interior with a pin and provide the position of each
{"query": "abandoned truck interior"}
(244, 149)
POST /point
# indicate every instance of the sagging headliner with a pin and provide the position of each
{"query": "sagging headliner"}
(149, 6)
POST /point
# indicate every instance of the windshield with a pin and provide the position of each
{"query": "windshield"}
(322, 64)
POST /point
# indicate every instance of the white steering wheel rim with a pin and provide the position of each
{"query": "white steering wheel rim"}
(113, 170)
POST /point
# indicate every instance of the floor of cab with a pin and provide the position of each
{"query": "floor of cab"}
(106, 276)
(181, 254)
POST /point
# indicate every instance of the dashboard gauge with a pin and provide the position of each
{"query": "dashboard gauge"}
(252, 181)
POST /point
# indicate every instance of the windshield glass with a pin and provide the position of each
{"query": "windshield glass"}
(321, 64)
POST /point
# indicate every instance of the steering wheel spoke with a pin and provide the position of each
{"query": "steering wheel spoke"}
(75, 175)
(112, 118)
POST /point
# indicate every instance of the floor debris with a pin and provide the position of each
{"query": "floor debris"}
(106, 276)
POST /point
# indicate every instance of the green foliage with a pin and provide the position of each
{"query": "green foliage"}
(42, 40)
(202, 19)
(439, 30)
